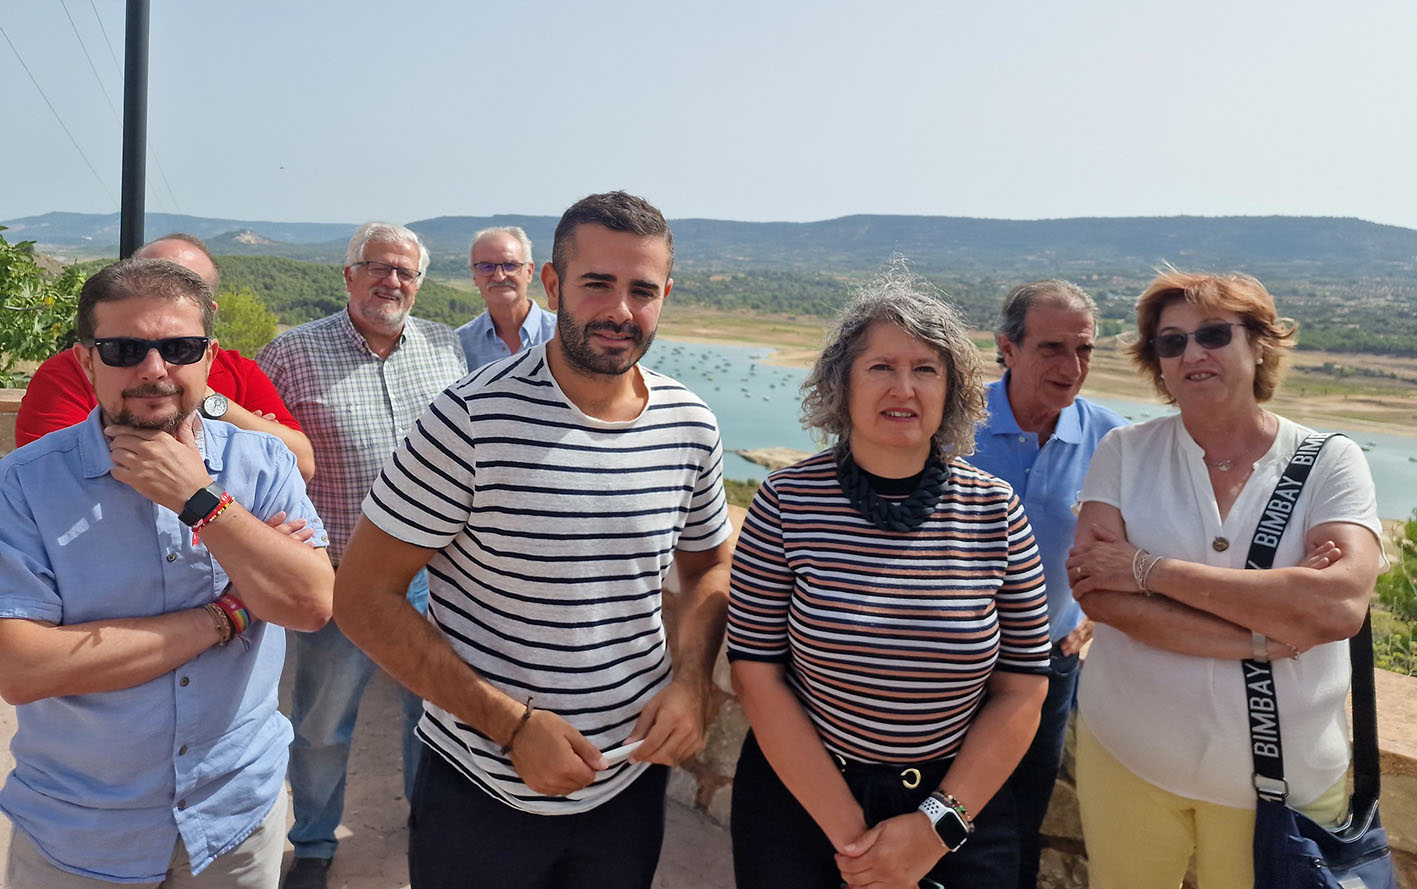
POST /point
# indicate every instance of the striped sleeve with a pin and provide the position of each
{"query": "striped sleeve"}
(761, 584)
(707, 524)
(424, 493)
(1022, 602)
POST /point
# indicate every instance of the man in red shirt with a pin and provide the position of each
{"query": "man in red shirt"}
(59, 395)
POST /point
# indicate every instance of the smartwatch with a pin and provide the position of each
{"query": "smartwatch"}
(949, 824)
(214, 406)
(200, 504)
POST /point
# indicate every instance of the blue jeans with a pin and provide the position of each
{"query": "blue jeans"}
(330, 675)
(1032, 781)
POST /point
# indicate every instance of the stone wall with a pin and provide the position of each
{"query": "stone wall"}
(9, 406)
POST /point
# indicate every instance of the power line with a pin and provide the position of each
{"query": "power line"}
(104, 31)
(157, 161)
(88, 59)
(55, 111)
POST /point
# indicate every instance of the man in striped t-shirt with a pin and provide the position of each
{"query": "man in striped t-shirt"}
(547, 494)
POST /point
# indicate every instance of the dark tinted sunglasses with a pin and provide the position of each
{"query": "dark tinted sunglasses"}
(1216, 335)
(122, 351)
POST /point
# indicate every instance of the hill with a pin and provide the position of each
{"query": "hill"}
(852, 244)
(1352, 283)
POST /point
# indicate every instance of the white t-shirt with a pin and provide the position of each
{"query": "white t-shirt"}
(1180, 721)
(553, 531)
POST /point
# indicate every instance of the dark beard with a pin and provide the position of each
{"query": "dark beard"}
(170, 425)
(575, 345)
(128, 418)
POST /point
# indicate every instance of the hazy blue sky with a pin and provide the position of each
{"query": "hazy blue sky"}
(776, 110)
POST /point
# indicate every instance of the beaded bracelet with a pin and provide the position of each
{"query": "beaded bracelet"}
(225, 501)
(949, 800)
(235, 611)
(224, 628)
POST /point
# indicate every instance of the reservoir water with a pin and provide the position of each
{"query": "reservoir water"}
(759, 406)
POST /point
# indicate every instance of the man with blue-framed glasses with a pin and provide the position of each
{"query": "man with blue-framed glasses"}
(500, 261)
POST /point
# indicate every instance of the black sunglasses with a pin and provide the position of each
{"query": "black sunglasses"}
(1216, 335)
(123, 351)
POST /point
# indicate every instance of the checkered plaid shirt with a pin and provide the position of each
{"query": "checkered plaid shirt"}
(355, 406)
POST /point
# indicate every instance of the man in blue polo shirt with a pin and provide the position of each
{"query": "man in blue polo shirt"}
(141, 601)
(1040, 437)
(500, 260)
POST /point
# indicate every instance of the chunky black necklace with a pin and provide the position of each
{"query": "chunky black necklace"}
(892, 515)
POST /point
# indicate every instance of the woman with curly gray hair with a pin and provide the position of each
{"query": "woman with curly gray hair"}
(887, 626)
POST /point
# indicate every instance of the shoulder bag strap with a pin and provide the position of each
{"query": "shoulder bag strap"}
(1265, 745)
(1365, 717)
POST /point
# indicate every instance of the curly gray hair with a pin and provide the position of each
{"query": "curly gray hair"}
(910, 302)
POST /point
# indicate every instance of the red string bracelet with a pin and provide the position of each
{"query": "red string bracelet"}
(225, 501)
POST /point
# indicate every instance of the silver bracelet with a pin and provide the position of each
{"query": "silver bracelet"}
(1138, 558)
(1259, 647)
(1152, 560)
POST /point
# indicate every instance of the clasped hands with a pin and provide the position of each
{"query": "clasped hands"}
(555, 759)
(895, 854)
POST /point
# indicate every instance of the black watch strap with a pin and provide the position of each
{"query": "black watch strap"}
(200, 504)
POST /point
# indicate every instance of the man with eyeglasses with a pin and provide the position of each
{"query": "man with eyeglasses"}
(500, 259)
(148, 560)
(238, 392)
(1040, 437)
(356, 380)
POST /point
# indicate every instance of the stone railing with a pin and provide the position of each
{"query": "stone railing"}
(9, 406)
(706, 781)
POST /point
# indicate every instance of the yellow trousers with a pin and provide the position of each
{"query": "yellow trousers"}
(1139, 836)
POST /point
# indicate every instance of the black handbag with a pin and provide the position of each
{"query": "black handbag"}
(1291, 850)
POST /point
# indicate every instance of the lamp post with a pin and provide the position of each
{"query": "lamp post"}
(135, 129)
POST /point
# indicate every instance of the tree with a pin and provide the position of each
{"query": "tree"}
(242, 321)
(37, 309)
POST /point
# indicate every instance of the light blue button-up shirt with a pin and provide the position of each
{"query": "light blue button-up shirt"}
(105, 783)
(482, 345)
(1047, 479)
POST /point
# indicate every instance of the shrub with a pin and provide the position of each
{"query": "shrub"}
(37, 309)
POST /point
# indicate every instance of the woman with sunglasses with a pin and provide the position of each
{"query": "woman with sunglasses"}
(1168, 513)
(887, 625)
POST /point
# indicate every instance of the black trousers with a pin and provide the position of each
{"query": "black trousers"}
(777, 845)
(460, 837)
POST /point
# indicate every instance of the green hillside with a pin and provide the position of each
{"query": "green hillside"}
(303, 291)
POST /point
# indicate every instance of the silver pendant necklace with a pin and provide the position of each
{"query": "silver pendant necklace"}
(1227, 465)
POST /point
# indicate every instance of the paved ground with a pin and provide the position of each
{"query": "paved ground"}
(372, 837)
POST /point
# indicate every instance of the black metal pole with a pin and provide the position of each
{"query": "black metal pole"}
(135, 129)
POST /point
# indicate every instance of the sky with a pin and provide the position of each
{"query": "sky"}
(292, 110)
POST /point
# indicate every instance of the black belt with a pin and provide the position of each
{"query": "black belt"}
(909, 777)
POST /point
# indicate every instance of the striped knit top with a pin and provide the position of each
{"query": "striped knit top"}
(554, 530)
(888, 638)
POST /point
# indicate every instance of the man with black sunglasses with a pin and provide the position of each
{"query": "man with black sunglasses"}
(500, 260)
(141, 600)
(238, 392)
(357, 380)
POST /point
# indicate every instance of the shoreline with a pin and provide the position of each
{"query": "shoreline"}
(1112, 377)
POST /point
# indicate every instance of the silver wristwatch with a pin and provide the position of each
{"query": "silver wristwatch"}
(214, 406)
